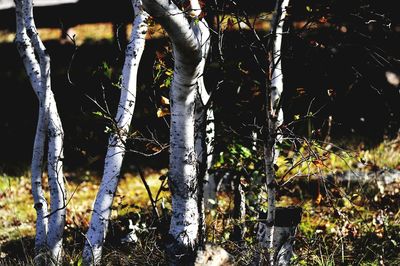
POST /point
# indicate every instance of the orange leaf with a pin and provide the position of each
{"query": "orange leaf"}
(318, 163)
(323, 19)
(318, 199)
(162, 112)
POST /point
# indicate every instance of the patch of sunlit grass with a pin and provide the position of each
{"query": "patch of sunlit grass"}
(313, 160)
(82, 32)
(17, 215)
(261, 22)
(16, 208)
(85, 32)
(132, 195)
(386, 154)
(93, 32)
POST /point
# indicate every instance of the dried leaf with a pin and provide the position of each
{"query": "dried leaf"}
(164, 100)
(318, 199)
(169, 72)
(301, 91)
(318, 163)
(331, 92)
(162, 112)
(323, 19)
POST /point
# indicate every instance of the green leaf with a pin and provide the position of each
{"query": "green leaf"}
(80, 261)
(245, 152)
(107, 71)
(221, 157)
(98, 113)
(226, 235)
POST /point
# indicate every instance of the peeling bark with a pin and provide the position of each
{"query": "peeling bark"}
(116, 145)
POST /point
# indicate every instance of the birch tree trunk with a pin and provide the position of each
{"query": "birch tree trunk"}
(58, 194)
(183, 183)
(277, 240)
(275, 235)
(116, 144)
(32, 68)
(49, 226)
(273, 110)
(276, 87)
(205, 118)
(239, 211)
(204, 129)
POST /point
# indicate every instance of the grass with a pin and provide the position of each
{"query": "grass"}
(342, 225)
(317, 159)
(100, 31)
(84, 33)
(18, 215)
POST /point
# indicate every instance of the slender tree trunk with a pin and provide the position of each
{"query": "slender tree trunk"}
(276, 72)
(204, 130)
(205, 117)
(276, 234)
(32, 68)
(58, 196)
(239, 211)
(273, 110)
(49, 227)
(210, 187)
(116, 145)
(183, 181)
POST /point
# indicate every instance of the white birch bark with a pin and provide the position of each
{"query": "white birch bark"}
(183, 183)
(204, 129)
(58, 194)
(277, 241)
(277, 75)
(195, 9)
(210, 187)
(239, 211)
(271, 235)
(56, 219)
(273, 110)
(50, 227)
(32, 68)
(116, 145)
(209, 181)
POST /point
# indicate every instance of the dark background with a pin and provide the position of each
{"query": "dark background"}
(363, 105)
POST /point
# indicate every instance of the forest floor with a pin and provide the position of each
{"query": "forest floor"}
(342, 224)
